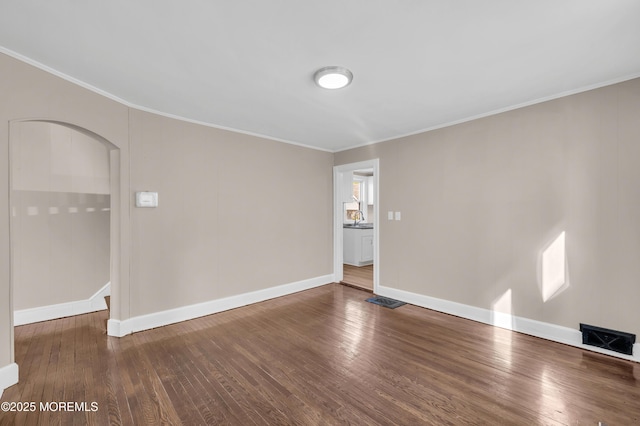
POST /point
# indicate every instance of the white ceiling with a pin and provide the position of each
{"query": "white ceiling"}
(248, 65)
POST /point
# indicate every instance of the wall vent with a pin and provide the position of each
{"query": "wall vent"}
(613, 340)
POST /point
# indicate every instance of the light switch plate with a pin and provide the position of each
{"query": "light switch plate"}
(146, 199)
(390, 215)
(398, 216)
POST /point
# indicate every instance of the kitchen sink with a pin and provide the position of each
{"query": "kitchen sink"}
(358, 226)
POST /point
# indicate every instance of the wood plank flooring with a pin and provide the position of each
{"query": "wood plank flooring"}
(361, 277)
(318, 357)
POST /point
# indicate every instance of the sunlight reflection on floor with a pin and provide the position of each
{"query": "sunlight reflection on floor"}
(552, 403)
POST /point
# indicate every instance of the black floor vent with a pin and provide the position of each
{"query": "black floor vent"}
(613, 340)
(386, 302)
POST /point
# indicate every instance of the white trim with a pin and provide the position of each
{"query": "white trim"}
(498, 111)
(119, 328)
(115, 98)
(8, 376)
(338, 255)
(61, 310)
(128, 104)
(544, 330)
(338, 242)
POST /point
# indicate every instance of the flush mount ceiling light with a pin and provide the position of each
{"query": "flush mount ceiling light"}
(333, 77)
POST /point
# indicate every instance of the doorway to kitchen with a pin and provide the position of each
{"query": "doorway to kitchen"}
(356, 218)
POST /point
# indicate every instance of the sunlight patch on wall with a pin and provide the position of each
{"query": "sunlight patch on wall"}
(554, 268)
(501, 311)
(502, 319)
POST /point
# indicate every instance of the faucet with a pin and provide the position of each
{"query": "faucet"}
(359, 214)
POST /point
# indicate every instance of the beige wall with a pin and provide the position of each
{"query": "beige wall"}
(482, 200)
(60, 214)
(54, 158)
(236, 213)
(60, 247)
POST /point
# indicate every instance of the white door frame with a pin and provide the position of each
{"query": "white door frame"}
(338, 220)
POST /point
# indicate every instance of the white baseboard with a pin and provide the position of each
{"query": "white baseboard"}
(359, 264)
(540, 329)
(8, 376)
(61, 310)
(119, 328)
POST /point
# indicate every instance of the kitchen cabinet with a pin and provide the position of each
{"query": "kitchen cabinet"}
(366, 254)
(370, 190)
(358, 246)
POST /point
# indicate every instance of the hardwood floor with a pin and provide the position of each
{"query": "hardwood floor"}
(318, 357)
(361, 277)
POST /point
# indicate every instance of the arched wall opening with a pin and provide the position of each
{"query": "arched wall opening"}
(74, 175)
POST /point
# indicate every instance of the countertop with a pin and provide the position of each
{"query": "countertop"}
(361, 225)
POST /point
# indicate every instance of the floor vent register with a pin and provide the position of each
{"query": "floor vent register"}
(386, 302)
(612, 340)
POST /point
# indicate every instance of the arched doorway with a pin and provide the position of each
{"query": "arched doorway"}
(63, 176)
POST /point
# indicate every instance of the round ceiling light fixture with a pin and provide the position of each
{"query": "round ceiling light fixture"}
(333, 77)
